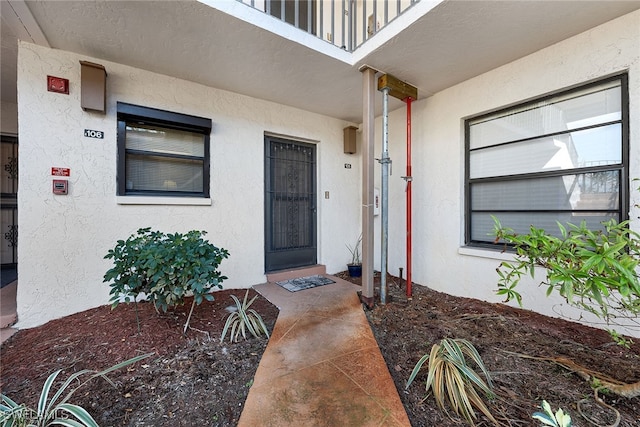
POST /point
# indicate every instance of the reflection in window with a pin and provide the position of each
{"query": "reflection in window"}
(560, 158)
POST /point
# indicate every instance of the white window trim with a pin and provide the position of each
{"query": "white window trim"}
(155, 200)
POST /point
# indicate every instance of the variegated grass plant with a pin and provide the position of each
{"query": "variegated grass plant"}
(450, 377)
(244, 320)
(56, 410)
(549, 418)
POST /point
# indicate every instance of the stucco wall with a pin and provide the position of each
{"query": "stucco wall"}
(63, 238)
(440, 259)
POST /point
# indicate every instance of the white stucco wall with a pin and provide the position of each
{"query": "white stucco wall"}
(440, 259)
(63, 238)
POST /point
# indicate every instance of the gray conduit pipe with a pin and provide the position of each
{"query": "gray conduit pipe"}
(385, 161)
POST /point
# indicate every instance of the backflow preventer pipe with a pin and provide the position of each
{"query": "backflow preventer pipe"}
(385, 161)
(409, 179)
(390, 85)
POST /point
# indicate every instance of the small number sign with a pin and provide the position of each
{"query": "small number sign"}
(90, 133)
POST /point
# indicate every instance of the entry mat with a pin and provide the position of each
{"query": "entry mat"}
(302, 283)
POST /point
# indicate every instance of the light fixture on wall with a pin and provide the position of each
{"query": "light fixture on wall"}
(350, 139)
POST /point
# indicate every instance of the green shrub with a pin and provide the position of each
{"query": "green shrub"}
(56, 410)
(595, 271)
(164, 268)
(244, 319)
(451, 377)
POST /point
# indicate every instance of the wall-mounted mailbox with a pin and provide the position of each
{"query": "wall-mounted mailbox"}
(93, 87)
(60, 186)
(350, 139)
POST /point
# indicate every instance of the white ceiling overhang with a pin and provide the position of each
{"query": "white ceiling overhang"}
(228, 45)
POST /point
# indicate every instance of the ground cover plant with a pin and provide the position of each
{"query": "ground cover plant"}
(452, 377)
(195, 379)
(164, 269)
(54, 405)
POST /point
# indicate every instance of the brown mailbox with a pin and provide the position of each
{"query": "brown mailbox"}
(93, 87)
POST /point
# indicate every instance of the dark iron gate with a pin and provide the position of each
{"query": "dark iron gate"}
(9, 201)
(290, 204)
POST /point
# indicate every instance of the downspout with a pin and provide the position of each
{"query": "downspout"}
(384, 161)
(409, 179)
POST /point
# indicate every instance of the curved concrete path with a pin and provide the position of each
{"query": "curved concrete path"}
(322, 366)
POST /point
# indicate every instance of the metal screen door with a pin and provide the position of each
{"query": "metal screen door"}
(290, 204)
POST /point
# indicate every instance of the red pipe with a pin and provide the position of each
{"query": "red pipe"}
(409, 178)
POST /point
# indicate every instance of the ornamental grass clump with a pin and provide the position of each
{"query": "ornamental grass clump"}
(56, 410)
(451, 378)
(243, 320)
(164, 269)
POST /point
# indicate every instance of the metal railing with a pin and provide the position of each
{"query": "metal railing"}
(344, 23)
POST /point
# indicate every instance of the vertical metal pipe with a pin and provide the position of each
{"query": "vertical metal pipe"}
(364, 23)
(333, 21)
(375, 18)
(309, 20)
(386, 12)
(409, 179)
(368, 138)
(385, 195)
(343, 25)
(352, 27)
(321, 17)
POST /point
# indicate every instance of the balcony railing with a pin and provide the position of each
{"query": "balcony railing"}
(344, 23)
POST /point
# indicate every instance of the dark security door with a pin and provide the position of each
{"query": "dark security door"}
(290, 204)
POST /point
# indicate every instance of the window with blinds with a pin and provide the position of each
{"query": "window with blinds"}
(162, 153)
(562, 158)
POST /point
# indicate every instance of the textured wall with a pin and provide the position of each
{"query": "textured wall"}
(63, 238)
(439, 260)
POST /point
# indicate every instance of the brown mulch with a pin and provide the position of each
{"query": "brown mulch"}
(194, 379)
(190, 380)
(406, 330)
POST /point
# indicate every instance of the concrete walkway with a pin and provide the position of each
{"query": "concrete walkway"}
(322, 366)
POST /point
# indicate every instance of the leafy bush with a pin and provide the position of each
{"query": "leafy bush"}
(57, 410)
(548, 418)
(244, 319)
(165, 268)
(595, 271)
(450, 376)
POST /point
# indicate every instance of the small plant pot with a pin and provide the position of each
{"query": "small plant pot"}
(355, 270)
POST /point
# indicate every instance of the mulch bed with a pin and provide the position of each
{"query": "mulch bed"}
(194, 379)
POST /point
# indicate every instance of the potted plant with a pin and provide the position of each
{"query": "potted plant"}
(355, 266)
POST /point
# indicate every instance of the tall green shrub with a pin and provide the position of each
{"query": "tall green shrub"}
(596, 271)
(164, 269)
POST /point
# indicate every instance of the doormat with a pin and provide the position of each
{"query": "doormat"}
(302, 283)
